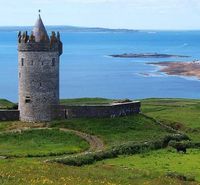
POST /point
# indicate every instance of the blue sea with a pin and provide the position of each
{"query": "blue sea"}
(86, 69)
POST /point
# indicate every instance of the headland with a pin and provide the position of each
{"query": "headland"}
(189, 69)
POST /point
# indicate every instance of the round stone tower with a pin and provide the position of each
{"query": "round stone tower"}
(38, 63)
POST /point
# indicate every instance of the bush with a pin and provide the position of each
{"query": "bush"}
(15, 106)
(88, 158)
(195, 145)
(186, 144)
(123, 101)
(78, 161)
(124, 149)
(179, 176)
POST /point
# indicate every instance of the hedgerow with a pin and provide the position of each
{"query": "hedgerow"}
(129, 148)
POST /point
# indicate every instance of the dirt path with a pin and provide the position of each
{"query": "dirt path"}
(96, 144)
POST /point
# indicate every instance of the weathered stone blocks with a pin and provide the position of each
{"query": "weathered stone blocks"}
(38, 84)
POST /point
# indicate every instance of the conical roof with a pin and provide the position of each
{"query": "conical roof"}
(39, 31)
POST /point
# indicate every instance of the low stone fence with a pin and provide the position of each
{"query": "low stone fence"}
(82, 111)
(9, 115)
(98, 111)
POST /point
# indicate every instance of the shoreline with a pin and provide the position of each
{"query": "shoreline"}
(184, 69)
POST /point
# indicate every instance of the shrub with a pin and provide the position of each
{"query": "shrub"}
(88, 158)
(124, 149)
(123, 101)
(174, 137)
(195, 145)
(78, 161)
(179, 176)
(15, 106)
(186, 144)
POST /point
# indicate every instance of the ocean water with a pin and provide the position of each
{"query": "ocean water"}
(86, 70)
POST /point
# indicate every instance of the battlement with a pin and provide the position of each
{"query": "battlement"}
(38, 64)
(28, 43)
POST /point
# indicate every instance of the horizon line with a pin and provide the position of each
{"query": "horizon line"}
(98, 27)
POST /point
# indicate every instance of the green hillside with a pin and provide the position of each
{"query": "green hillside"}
(5, 104)
(153, 167)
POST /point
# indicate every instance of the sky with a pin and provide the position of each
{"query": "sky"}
(130, 14)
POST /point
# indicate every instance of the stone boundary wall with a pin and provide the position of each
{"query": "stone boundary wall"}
(82, 111)
(97, 111)
(9, 115)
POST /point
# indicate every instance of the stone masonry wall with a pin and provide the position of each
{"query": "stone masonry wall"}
(66, 112)
(38, 85)
(9, 115)
(115, 110)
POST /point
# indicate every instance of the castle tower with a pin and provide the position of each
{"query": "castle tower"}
(38, 63)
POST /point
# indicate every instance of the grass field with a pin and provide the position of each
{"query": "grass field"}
(161, 162)
(5, 104)
(182, 114)
(4, 125)
(117, 130)
(40, 142)
(36, 172)
(140, 169)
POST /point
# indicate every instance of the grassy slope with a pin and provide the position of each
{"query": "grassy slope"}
(181, 113)
(11, 125)
(35, 172)
(118, 130)
(5, 104)
(4, 125)
(161, 162)
(139, 169)
(40, 142)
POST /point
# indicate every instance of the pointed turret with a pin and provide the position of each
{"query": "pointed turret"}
(39, 58)
(40, 32)
(39, 40)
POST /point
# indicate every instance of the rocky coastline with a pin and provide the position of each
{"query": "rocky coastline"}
(188, 69)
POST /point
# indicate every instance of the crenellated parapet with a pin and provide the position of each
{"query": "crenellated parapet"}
(28, 42)
(38, 64)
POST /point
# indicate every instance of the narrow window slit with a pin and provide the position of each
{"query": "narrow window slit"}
(53, 61)
(27, 99)
(22, 61)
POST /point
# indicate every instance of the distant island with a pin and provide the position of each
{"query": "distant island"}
(147, 55)
(63, 28)
(189, 69)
